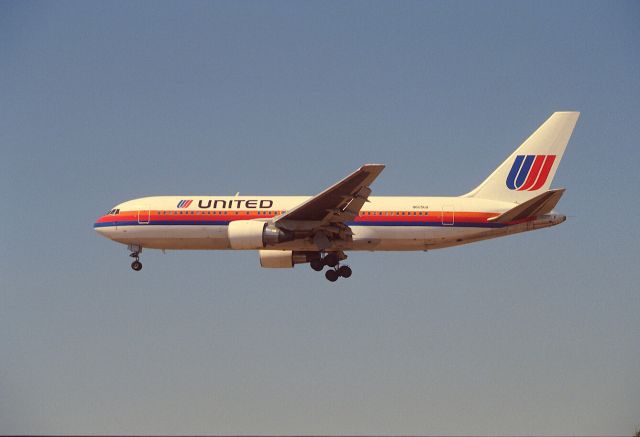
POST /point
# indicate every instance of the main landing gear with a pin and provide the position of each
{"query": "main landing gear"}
(335, 271)
(135, 253)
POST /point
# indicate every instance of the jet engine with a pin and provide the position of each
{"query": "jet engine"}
(253, 234)
(285, 259)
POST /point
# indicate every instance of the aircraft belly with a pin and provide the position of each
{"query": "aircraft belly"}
(174, 237)
(386, 238)
(412, 237)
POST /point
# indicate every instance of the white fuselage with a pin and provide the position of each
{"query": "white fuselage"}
(384, 223)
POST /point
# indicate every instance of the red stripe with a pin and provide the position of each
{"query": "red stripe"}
(533, 174)
(546, 168)
(434, 216)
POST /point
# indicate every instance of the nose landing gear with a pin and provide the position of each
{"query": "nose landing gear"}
(135, 253)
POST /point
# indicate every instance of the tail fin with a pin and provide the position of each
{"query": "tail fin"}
(529, 170)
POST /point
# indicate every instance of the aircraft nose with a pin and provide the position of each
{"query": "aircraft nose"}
(100, 226)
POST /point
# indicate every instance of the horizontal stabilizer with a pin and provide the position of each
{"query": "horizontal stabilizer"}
(539, 205)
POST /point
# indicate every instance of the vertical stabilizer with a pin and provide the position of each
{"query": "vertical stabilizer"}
(529, 170)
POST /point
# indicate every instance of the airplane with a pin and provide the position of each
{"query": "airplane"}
(321, 229)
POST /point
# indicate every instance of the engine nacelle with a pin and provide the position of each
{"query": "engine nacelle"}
(284, 259)
(253, 234)
(276, 259)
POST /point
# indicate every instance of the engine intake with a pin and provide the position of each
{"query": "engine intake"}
(253, 234)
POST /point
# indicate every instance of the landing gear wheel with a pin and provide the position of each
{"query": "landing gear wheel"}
(344, 271)
(331, 260)
(331, 275)
(317, 265)
(135, 250)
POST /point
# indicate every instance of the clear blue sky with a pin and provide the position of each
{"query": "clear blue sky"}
(538, 333)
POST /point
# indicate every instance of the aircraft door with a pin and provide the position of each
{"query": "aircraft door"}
(448, 215)
(143, 216)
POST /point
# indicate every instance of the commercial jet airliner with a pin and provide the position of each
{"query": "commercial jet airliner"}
(320, 230)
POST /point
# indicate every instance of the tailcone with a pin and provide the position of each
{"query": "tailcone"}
(549, 220)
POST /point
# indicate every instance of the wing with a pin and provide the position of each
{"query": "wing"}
(336, 205)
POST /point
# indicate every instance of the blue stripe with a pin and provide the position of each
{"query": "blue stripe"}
(360, 223)
(524, 172)
(421, 224)
(511, 179)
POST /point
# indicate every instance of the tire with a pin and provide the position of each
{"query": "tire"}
(331, 275)
(344, 271)
(331, 260)
(317, 265)
(136, 265)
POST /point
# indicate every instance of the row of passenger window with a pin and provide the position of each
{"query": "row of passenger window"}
(216, 212)
(394, 213)
(272, 213)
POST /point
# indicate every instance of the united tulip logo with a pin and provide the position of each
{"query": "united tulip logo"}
(184, 203)
(529, 172)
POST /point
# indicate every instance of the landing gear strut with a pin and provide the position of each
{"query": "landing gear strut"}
(135, 253)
